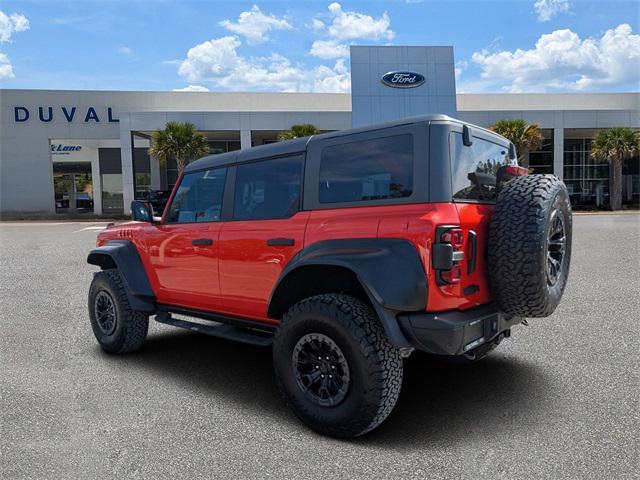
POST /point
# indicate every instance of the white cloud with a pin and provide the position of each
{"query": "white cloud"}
(192, 88)
(124, 50)
(210, 59)
(562, 60)
(6, 70)
(328, 49)
(460, 67)
(347, 25)
(254, 25)
(10, 24)
(547, 9)
(218, 61)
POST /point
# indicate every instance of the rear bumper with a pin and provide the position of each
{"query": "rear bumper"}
(454, 332)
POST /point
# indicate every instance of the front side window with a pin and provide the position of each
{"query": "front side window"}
(268, 189)
(199, 197)
(474, 168)
(376, 169)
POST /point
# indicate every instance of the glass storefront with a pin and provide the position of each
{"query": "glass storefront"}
(72, 180)
(111, 180)
(587, 179)
(541, 161)
(631, 183)
(73, 188)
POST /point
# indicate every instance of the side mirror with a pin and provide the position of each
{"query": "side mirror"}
(142, 211)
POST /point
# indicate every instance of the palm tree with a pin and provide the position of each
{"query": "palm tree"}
(297, 131)
(180, 141)
(614, 146)
(525, 136)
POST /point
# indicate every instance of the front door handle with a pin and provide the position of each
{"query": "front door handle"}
(281, 242)
(202, 242)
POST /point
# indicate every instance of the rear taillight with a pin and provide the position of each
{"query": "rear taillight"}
(453, 236)
(516, 170)
(451, 276)
(448, 254)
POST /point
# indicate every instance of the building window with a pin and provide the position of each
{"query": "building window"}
(541, 161)
(111, 181)
(587, 179)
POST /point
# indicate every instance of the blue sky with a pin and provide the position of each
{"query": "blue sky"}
(500, 46)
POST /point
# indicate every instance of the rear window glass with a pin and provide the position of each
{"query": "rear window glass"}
(474, 168)
(374, 169)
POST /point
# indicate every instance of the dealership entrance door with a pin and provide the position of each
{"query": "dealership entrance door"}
(73, 187)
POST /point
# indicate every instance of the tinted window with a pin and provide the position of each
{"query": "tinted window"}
(269, 189)
(474, 168)
(199, 197)
(367, 170)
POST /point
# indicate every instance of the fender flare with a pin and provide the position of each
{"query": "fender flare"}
(389, 270)
(123, 255)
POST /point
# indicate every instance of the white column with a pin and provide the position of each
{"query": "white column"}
(154, 165)
(245, 139)
(126, 158)
(96, 182)
(558, 152)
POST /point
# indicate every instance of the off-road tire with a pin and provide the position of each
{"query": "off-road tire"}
(131, 326)
(518, 245)
(375, 365)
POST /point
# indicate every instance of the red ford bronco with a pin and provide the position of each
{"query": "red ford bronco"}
(344, 251)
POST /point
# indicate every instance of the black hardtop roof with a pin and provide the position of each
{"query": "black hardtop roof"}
(299, 145)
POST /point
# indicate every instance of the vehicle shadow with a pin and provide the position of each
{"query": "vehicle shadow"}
(443, 403)
(439, 403)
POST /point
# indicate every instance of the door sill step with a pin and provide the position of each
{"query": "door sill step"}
(244, 335)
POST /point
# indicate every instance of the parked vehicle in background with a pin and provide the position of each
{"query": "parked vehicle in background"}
(345, 251)
(157, 198)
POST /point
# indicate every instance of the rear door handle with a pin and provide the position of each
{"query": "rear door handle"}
(202, 242)
(281, 242)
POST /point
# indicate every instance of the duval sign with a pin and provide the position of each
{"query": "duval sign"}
(69, 114)
(403, 79)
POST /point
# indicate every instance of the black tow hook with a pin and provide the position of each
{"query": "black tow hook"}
(524, 322)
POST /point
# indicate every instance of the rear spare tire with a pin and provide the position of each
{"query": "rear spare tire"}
(529, 247)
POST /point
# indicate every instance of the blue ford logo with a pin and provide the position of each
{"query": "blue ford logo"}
(403, 79)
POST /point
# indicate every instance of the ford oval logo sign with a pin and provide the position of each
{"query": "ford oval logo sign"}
(402, 79)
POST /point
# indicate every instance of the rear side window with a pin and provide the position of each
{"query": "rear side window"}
(374, 169)
(268, 190)
(199, 197)
(474, 168)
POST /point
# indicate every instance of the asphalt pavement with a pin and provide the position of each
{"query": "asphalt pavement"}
(559, 399)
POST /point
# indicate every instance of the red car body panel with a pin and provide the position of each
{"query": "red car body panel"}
(236, 275)
(249, 268)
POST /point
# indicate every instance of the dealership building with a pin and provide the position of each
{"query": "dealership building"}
(65, 151)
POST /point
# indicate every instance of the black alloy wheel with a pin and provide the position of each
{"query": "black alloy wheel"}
(556, 245)
(105, 312)
(322, 371)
